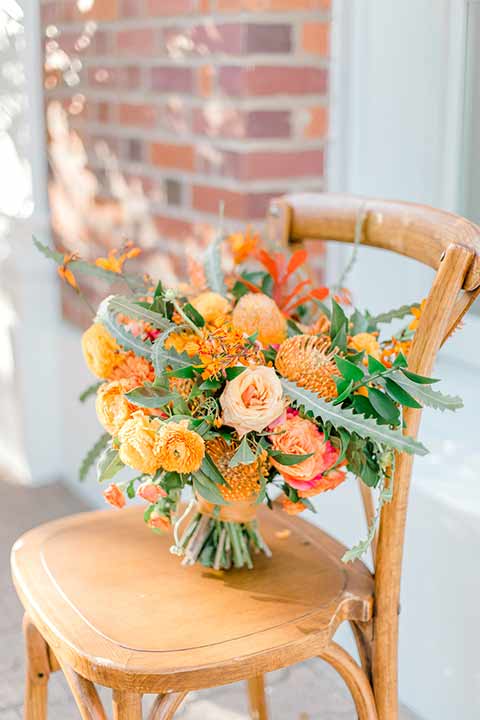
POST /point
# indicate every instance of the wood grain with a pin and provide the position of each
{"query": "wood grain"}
(37, 672)
(256, 698)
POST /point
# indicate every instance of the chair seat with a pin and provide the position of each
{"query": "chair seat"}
(112, 601)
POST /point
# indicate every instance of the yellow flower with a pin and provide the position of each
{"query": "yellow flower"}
(417, 314)
(101, 352)
(180, 449)
(186, 342)
(256, 312)
(366, 342)
(113, 408)
(139, 443)
(212, 306)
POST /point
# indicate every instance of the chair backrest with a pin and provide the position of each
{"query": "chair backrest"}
(447, 243)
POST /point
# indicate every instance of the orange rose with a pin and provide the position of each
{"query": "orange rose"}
(114, 496)
(252, 400)
(113, 408)
(298, 436)
(150, 492)
(322, 483)
(212, 307)
(101, 352)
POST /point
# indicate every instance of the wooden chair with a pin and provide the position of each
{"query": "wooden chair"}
(108, 604)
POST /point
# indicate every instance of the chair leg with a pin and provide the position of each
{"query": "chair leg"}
(355, 678)
(165, 706)
(127, 705)
(89, 704)
(256, 697)
(37, 672)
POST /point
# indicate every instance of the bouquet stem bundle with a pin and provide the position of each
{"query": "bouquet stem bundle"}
(220, 541)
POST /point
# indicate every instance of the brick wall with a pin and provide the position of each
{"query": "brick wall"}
(196, 101)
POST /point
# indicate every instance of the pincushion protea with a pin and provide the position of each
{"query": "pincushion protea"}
(309, 361)
(243, 480)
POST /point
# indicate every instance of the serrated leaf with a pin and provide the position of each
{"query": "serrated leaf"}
(106, 316)
(427, 395)
(109, 464)
(395, 314)
(419, 379)
(385, 407)
(243, 455)
(349, 370)
(48, 252)
(89, 391)
(151, 397)
(400, 394)
(288, 459)
(346, 418)
(90, 458)
(212, 263)
(162, 358)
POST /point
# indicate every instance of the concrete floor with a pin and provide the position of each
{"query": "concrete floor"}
(309, 691)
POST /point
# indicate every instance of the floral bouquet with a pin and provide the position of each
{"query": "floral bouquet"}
(240, 383)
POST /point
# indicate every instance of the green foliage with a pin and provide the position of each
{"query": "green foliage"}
(150, 396)
(162, 358)
(338, 327)
(244, 455)
(396, 314)
(426, 394)
(400, 395)
(349, 370)
(106, 315)
(366, 428)
(233, 372)
(193, 315)
(109, 464)
(384, 496)
(384, 406)
(206, 488)
(212, 261)
(132, 309)
(288, 458)
(48, 252)
(92, 455)
(89, 391)
(210, 469)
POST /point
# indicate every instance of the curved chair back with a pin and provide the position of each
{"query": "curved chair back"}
(449, 244)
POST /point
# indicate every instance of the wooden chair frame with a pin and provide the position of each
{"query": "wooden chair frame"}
(450, 245)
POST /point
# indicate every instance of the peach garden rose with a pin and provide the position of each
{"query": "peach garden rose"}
(252, 400)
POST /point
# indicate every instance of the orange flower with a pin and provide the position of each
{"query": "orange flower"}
(138, 438)
(64, 271)
(114, 496)
(113, 408)
(224, 347)
(366, 342)
(158, 521)
(114, 263)
(243, 245)
(252, 400)
(150, 492)
(291, 507)
(298, 436)
(187, 342)
(212, 306)
(417, 314)
(329, 481)
(256, 312)
(101, 352)
(179, 449)
(132, 367)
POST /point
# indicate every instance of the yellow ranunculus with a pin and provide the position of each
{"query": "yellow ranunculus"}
(113, 408)
(139, 443)
(180, 449)
(100, 350)
(367, 342)
(212, 307)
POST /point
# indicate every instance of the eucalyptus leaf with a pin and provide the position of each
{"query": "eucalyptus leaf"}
(109, 464)
(212, 262)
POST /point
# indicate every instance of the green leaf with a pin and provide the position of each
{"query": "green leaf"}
(184, 372)
(344, 393)
(212, 262)
(109, 464)
(427, 395)
(194, 315)
(233, 372)
(400, 395)
(338, 321)
(375, 366)
(385, 407)
(207, 488)
(396, 314)
(363, 406)
(420, 379)
(288, 459)
(243, 455)
(106, 315)
(162, 358)
(346, 418)
(293, 328)
(209, 468)
(89, 391)
(151, 397)
(348, 369)
(48, 252)
(130, 308)
(400, 361)
(358, 322)
(89, 459)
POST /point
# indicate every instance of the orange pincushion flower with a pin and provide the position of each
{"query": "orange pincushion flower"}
(101, 352)
(243, 480)
(256, 312)
(114, 263)
(179, 449)
(366, 342)
(291, 507)
(138, 438)
(113, 408)
(132, 367)
(243, 245)
(309, 361)
(212, 306)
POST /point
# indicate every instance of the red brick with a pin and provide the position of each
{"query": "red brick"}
(228, 39)
(104, 112)
(246, 166)
(317, 125)
(316, 38)
(103, 76)
(173, 227)
(101, 10)
(238, 205)
(129, 77)
(174, 117)
(228, 122)
(170, 7)
(205, 80)
(268, 124)
(141, 115)
(272, 80)
(268, 38)
(140, 41)
(273, 5)
(166, 155)
(131, 8)
(172, 79)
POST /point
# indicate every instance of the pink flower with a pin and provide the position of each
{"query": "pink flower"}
(298, 436)
(150, 492)
(114, 496)
(322, 483)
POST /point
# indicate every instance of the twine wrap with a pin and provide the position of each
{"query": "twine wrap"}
(240, 511)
